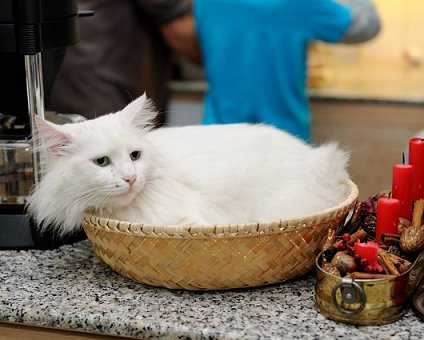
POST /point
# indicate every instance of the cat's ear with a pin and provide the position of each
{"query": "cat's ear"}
(140, 112)
(52, 138)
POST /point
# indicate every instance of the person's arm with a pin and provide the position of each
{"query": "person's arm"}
(181, 36)
(365, 22)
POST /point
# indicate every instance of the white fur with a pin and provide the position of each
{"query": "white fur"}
(216, 174)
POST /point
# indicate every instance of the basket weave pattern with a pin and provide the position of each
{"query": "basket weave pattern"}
(214, 257)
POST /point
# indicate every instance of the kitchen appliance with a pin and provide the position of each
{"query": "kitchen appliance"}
(34, 35)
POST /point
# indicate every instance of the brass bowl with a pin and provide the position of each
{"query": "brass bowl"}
(366, 301)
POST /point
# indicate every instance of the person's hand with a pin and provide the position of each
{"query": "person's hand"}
(180, 35)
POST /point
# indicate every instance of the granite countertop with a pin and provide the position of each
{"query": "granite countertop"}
(70, 288)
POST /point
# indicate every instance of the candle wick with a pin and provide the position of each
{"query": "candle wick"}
(403, 157)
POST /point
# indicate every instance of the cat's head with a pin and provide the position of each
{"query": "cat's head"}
(95, 164)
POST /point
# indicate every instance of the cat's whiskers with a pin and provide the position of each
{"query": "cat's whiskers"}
(96, 196)
(90, 197)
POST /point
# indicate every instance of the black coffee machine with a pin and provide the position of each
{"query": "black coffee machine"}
(34, 35)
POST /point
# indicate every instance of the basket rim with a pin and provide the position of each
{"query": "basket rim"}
(228, 230)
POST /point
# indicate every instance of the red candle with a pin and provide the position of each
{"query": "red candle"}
(387, 217)
(369, 251)
(402, 188)
(416, 159)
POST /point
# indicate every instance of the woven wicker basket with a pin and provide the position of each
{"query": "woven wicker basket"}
(215, 257)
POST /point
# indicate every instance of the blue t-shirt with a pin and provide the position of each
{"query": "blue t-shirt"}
(255, 57)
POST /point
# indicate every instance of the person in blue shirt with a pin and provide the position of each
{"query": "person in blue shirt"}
(255, 55)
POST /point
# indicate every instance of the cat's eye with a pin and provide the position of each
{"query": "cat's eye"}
(102, 161)
(135, 155)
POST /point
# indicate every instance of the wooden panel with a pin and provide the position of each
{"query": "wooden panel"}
(377, 135)
(11, 331)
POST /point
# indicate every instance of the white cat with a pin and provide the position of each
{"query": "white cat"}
(117, 167)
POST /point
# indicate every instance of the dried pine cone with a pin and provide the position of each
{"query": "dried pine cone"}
(369, 224)
(355, 221)
(395, 249)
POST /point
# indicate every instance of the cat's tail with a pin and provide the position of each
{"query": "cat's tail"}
(330, 163)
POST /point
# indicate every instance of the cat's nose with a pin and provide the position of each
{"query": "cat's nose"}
(130, 179)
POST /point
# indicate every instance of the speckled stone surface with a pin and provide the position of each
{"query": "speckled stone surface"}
(70, 288)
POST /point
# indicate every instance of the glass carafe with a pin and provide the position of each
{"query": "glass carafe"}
(16, 171)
